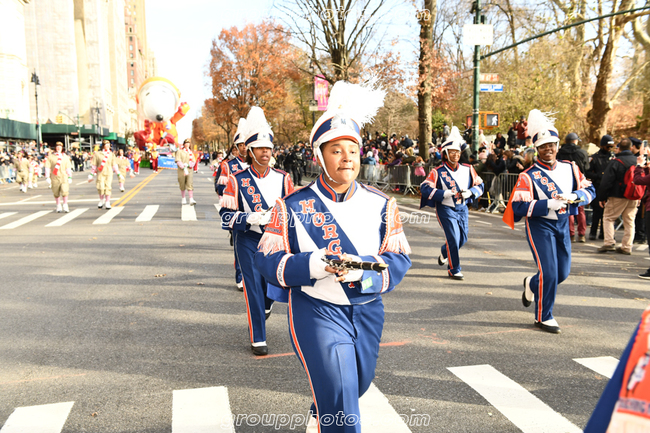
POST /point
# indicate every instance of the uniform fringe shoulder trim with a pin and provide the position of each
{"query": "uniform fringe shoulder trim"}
(395, 240)
(276, 238)
(229, 202)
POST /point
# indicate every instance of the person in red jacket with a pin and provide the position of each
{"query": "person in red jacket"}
(642, 177)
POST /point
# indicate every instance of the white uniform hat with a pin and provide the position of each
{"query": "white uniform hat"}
(350, 106)
(258, 130)
(541, 128)
(241, 131)
(454, 141)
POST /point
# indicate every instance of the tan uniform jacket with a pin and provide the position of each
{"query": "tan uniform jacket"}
(185, 181)
(60, 185)
(123, 165)
(107, 171)
(22, 170)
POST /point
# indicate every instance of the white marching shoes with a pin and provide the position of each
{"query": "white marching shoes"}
(442, 261)
(312, 425)
(59, 209)
(108, 204)
(192, 202)
(100, 204)
(66, 209)
(183, 201)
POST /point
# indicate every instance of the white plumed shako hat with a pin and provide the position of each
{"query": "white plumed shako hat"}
(241, 131)
(541, 128)
(454, 141)
(258, 130)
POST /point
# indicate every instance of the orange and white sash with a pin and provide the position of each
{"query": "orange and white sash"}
(59, 157)
(104, 160)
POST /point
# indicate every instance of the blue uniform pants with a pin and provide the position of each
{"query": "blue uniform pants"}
(254, 284)
(551, 247)
(238, 276)
(454, 223)
(338, 346)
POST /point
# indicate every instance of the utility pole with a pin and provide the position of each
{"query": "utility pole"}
(476, 8)
(36, 82)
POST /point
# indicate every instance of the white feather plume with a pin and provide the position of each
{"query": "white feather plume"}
(241, 129)
(454, 136)
(358, 101)
(256, 123)
(539, 121)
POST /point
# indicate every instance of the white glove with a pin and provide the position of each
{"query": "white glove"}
(555, 205)
(265, 218)
(466, 194)
(49, 181)
(254, 218)
(448, 193)
(69, 180)
(90, 178)
(317, 265)
(570, 197)
(353, 275)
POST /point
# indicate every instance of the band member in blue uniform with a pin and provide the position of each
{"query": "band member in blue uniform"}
(245, 209)
(227, 167)
(545, 195)
(336, 317)
(449, 188)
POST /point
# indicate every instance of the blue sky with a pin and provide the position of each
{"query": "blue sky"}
(181, 34)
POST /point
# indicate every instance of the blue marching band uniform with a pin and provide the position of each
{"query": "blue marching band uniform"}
(225, 169)
(335, 327)
(248, 192)
(451, 211)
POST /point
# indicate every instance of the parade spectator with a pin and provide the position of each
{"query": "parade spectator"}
(639, 221)
(369, 159)
(611, 196)
(512, 135)
(529, 157)
(514, 163)
(571, 152)
(500, 141)
(522, 131)
(642, 177)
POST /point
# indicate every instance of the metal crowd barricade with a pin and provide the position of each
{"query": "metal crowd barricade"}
(500, 190)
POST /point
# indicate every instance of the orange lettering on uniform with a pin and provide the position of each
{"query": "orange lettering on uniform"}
(334, 247)
(251, 190)
(329, 232)
(245, 183)
(307, 206)
(318, 219)
(257, 198)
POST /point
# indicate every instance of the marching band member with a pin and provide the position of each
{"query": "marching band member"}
(233, 164)
(245, 209)
(449, 188)
(336, 317)
(58, 173)
(541, 196)
(137, 156)
(124, 166)
(34, 171)
(103, 165)
(185, 161)
(21, 164)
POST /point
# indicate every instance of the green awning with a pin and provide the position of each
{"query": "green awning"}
(112, 136)
(17, 130)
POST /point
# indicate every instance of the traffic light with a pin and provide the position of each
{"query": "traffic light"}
(492, 120)
(59, 118)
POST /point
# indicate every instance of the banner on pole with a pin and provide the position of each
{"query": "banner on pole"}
(321, 87)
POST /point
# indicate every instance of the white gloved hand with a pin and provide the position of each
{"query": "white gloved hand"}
(317, 265)
(265, 218)
(90, 178)
(466, 194)
(448, 193)
(555, 205)
(180, 165)
(570, 197)
(49, 181)
(69, 180)
(253, 218)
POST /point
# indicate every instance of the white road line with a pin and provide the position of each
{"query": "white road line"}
(54, 202)
(202, 410)
(81, 183)
(188, 213)
(642, 247)
(30, 198)
(47, 418)
(148, 213)
(603, 365)
(109, 215)
(67, 218)
(378, 416)
(483, 222)
(8, 214)
(25, 220)
(522, 408)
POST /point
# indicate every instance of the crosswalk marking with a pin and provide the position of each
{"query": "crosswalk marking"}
(603, 365)
(378, 416)
(67, 218)
(47, 418)
(522, 408)
(148, 213)
(8, 214)
(188, 213)
(108, 216)
(25, 220)
(202, 410)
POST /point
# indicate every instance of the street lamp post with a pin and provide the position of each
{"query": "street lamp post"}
(36, 82)
(313, 91)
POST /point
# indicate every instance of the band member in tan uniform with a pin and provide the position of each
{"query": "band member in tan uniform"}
(137, 156)
(34, 171)
(21, 164)
(58, 173)
(104, 164)
(124, 166)
(185, 161)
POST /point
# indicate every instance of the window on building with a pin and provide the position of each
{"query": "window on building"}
(131, 55)
(132, 73)
(130, 38)
(132, 81)
(132, 64)
(131, 47)
(130, 29)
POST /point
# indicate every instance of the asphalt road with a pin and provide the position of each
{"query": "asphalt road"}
(119, 317)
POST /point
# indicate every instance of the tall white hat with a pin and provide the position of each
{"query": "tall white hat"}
(454, 141)
(241, 131)
(541, 128)
(258, 130)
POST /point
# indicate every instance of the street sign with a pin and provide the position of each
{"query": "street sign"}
(313, 105)
(490, 78)
(478, 34)
(491, 88)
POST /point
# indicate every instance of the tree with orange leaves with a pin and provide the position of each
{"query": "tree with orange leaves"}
(248, 67)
